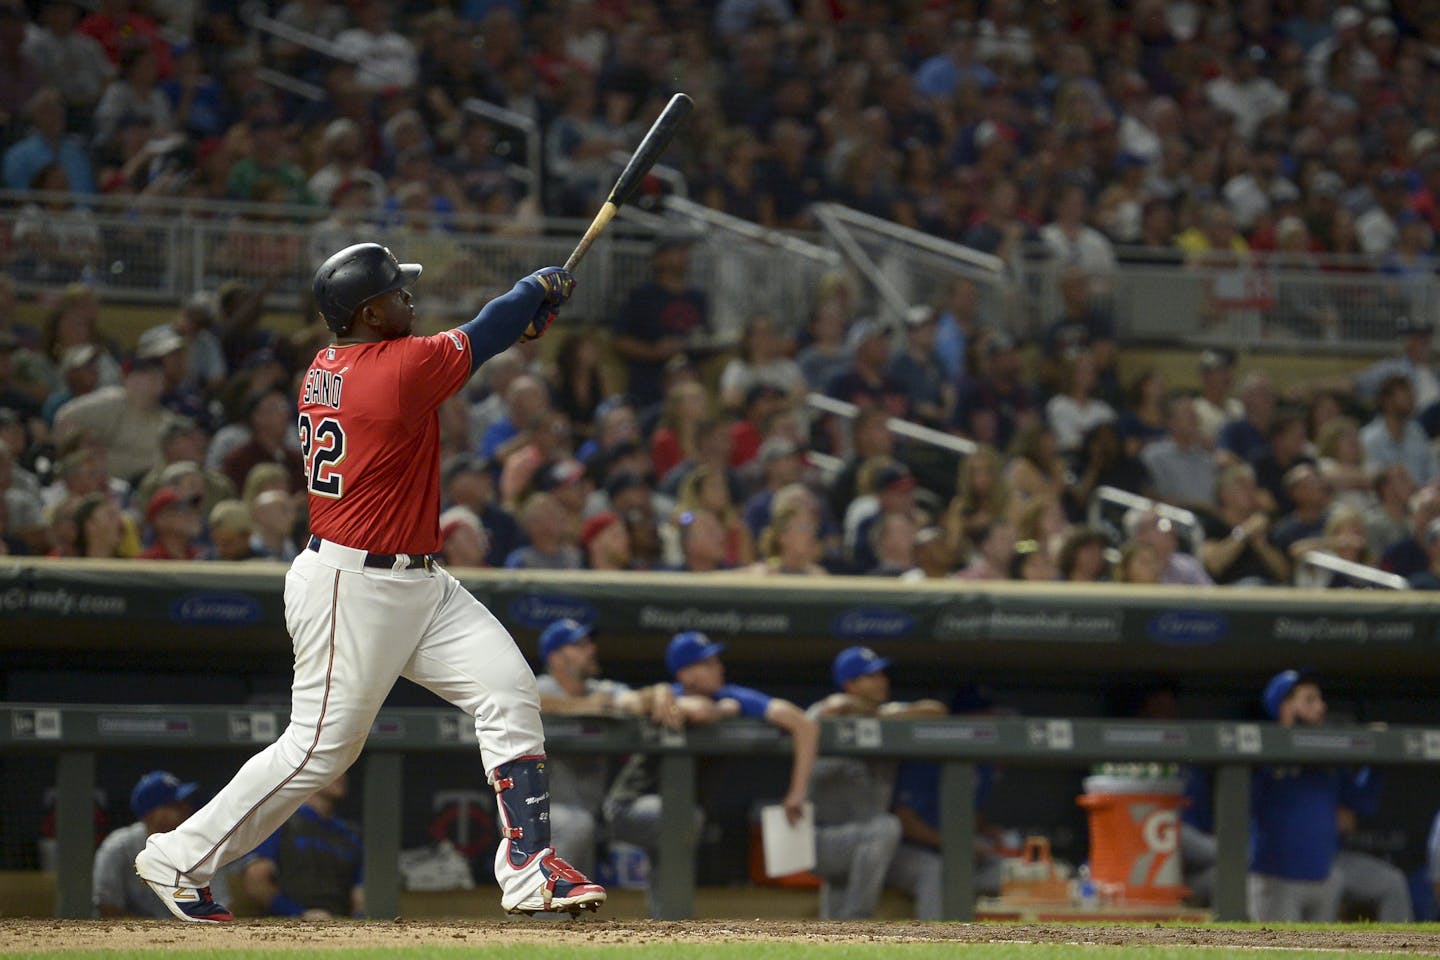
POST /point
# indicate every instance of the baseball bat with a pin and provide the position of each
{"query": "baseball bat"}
(661, 132)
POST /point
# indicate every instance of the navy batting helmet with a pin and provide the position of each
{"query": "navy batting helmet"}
(354, 275)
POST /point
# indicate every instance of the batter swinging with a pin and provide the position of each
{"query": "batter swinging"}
(366, 602)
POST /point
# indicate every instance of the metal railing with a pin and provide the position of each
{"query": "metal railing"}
(1105, 500)
(905, 267)
(901, 428)
(1319, 569)
(531, 172)
(1319, 303)
(77, 734)
(749, 269)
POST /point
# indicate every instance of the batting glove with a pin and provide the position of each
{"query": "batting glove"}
(558, 284)
(539, 323)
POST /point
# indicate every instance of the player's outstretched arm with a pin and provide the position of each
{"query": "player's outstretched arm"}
(501, 321)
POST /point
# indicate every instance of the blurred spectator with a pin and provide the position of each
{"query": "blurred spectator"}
(312, 867)
(1302, 528)
(272, 425)
(1077, 246)
(708, 489)
(1243, 92)
(791, 544)
(1182, 470)
(71, 61)
(385, 58)
(196, 100)
(344, 156)
(660, 318)
(1215, 406)
(606, 542)
(319, 18)
(996, 400)
(883, 486)
(1378, 227)
(99, 529)
(1103, 462)
(892, 543)
(133, 95)
(994, 549)
(934, 557)
(16, 395)
(1428, 577)
(866, 383)
(548, 548)
(467, 481)
(1031, 561)
(1074, 412)
(182, 444)
(527, 409)
(762, 405)
(981, 497)
(160, 803)
(21, 77)
(1410, 555)
(702, 542)
(126, 421)
(1246, 439)
(194, 323)
(1288, 446)
(1035, 471)
(1082, 556)
(267, 173)
(1341, 462)
(781, 465)
(56, 241)
(915, 364)
(1237, 546)
(272, 514)
(230, 529)
(761, 360)
(685, 418)
(1139, 563)
(826, 356)
(174, 522)
(48, 144)
(582, 382)
(1394, 436)
(1415, 361)
(1083, 322)
(1161, 533)
(463, 539)
(1387, 521)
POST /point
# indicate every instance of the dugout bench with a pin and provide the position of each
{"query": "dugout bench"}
(74, 734)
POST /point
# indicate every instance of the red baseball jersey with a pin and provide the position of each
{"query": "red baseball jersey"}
(370, 435)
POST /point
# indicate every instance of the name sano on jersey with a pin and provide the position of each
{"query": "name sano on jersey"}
(323, 387)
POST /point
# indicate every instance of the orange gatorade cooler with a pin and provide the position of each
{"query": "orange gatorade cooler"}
(1135, 835)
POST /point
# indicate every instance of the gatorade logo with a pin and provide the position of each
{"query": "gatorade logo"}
(1157, 866)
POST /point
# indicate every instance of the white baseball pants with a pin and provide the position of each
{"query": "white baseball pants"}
(355, 629)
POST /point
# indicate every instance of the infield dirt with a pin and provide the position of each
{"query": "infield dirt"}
(27, 936)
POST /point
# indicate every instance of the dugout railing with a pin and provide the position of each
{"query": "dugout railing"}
(76, 734)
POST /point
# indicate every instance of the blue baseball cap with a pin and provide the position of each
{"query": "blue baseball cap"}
(855, 662)
(1279, 688)
(689, 647)
(561, 633)
(156, 789)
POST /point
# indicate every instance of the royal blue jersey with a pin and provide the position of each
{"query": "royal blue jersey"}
(753, 703)
(1293, 831)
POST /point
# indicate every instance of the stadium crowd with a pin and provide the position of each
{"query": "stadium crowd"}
(1088, 130)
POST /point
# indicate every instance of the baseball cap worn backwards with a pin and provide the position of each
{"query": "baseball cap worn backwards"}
(853, 662)
(158, 788)
(1280, 687)
(690, 647)
(561, 633)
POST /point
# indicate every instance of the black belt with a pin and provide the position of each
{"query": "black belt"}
(388, 560)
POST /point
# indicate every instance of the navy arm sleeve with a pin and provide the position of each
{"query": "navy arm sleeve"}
(501, 321)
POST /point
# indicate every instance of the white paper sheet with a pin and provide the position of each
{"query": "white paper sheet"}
(788, 849)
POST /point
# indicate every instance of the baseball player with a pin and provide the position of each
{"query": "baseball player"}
(1295, 834)
(571, 686)
(365, 601)
(857, 838)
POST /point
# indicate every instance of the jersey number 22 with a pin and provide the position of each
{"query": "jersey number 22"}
(323, 447)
